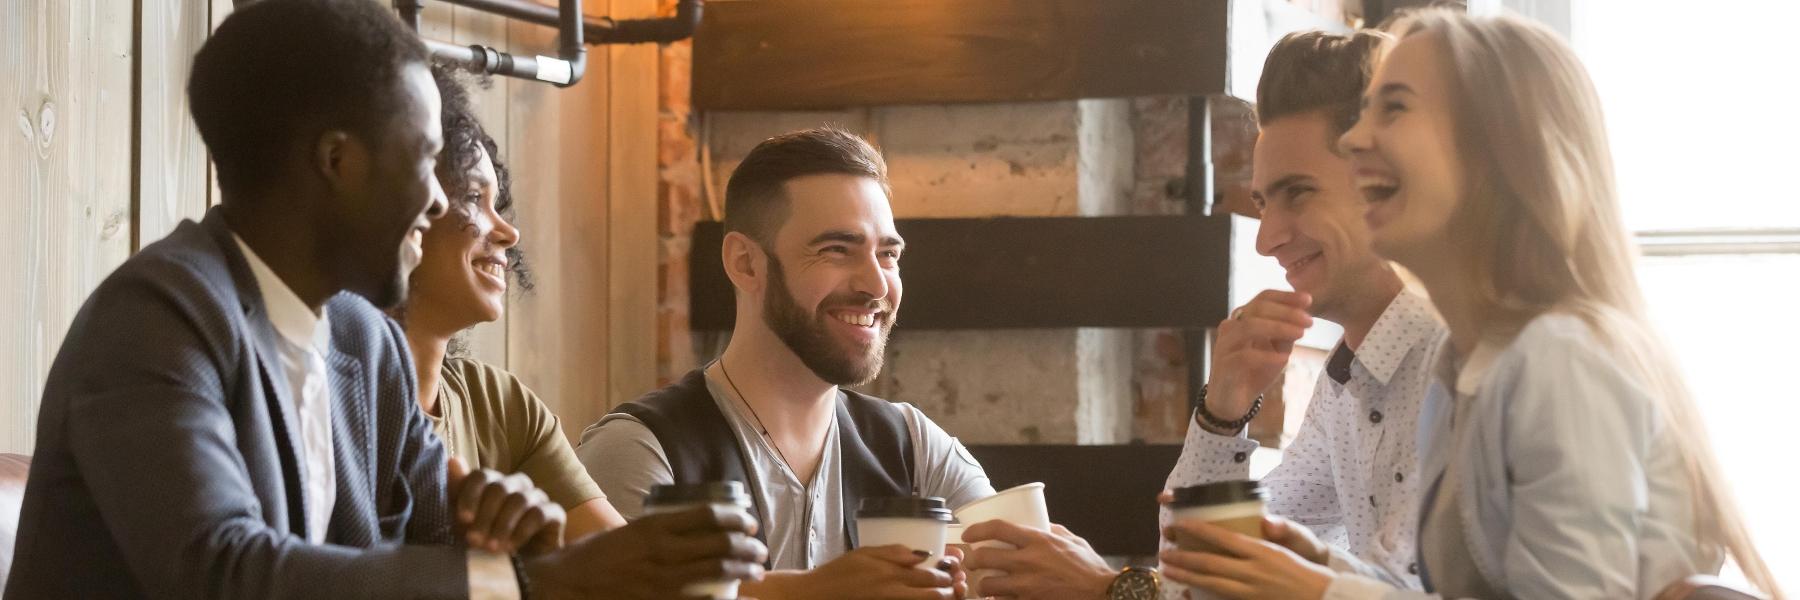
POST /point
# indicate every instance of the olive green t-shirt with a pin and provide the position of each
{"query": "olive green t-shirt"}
(491, 420)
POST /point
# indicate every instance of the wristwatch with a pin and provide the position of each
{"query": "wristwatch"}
(1135, 583)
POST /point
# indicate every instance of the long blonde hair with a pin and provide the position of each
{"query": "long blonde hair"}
(1543, 231)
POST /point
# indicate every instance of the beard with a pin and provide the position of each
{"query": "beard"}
(805, 332)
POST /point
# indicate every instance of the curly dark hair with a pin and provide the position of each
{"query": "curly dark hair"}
(464, 141)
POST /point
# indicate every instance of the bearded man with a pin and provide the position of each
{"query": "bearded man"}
(814, 257)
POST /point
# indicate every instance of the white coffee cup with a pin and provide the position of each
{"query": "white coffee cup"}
(918, 523)
(1021, 505)
(679, 497)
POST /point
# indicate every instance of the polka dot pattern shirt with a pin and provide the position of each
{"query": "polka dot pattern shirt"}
(1351, 473)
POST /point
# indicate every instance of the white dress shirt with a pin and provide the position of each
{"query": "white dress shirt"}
(303, 340)
(1351, 473)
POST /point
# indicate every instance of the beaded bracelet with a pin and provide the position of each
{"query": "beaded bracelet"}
(1222, 424)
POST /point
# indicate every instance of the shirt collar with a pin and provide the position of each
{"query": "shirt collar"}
(1409, 320)
(292, 318)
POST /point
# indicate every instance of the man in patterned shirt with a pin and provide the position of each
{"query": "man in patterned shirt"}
(1349, 476)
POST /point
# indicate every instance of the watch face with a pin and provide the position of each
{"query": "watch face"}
(1133, 584)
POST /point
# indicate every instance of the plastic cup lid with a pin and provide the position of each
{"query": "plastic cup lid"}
(906, 507)
(725, 492)
(1223, 492)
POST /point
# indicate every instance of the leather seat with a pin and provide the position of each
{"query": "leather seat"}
(13, 470)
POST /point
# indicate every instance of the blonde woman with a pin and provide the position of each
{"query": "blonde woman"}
(1562, 454)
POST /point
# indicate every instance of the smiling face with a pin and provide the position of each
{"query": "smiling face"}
(462, 279)
(1404, 156)
(1312, 217)
(377, 221)
(833, 280)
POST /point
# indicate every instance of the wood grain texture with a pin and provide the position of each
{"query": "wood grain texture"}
(631, 216)
(814, 54)
(65, 167)
(220, 9)
(487, 341)
(1031, 272)
(557, 337)
(174, 182)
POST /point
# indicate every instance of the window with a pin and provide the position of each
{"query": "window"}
(1701, 104)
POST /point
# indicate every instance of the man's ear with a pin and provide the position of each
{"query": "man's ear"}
(338, 159)
(745, 262)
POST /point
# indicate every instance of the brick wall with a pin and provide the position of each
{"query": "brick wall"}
(1031, 159)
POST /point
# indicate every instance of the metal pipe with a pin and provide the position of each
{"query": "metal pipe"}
(563, 71)
(410, 11)
(661, 31)
(1200, 192)
(602, 30)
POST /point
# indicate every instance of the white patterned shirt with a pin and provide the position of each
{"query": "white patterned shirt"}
(1351, 473)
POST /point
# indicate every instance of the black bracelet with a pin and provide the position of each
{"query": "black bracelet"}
(524, 582)
(1224, 425)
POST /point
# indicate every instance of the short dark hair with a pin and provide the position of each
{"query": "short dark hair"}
(279, 70)
(1311, 71)
(464, 141)
(755, 203)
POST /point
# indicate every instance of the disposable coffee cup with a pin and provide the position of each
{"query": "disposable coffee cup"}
(953, 538)
(918, 523)
(1234, 505)
(1020, 505)
(679, 497)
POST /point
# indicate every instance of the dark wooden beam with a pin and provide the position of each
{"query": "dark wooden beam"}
(1050, 272)
(819, 54)
(1105, 494)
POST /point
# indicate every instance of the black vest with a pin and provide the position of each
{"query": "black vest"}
(875, 447)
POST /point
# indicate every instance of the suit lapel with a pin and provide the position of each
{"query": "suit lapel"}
(352, 442)
(268, 362)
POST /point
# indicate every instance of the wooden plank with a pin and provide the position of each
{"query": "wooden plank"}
(66, 175)
(437, 21)
(487, 342)
(173, 179)
(1032, 273)
(220, 9)
(631, 216)
(814, 54)
(556, 338)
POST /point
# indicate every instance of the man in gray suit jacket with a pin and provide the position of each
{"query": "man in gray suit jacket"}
(231, 415)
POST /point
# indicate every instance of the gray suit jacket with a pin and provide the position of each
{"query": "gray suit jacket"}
(166, 465)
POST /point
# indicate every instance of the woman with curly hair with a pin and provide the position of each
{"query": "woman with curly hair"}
(485, 415)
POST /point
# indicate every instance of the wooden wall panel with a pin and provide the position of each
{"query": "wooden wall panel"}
(220, 9)
(557, 143)
(487, 342)
(174, 180)
(87, 182)
(65, 169)
(631, 218)
(825, 54)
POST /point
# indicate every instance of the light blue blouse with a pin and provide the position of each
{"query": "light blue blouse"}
(1568, 483)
